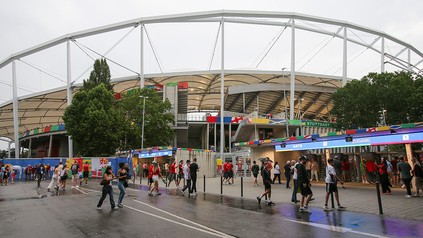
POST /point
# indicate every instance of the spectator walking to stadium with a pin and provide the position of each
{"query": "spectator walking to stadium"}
(63, 177)
(85, 172)
(255, 170)
(40, 173)
(267, 182)
(181, 173)
(294, 172)
(54, 178)
(172, 174)
(122, 184)
(331, 185)
(384, 178)
(304, 184)
(418, 174)
(276, 173)
(75, 174)
(404, 169)
(315, 170)
(27, 172)
(287, 172)
(107, 189)
(155, 176)
(187, 177)
(193, 170)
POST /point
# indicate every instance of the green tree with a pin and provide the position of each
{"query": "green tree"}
(93, 121)
(100, 74)
(158, 119)
(359, 104)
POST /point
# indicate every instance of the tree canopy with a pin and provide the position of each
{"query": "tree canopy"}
(99, 75)
(94, 123)
(158, 119)
(360, 103)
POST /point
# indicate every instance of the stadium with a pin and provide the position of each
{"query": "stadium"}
(231, 76)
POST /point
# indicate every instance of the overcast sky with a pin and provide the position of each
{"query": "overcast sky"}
(26, 23)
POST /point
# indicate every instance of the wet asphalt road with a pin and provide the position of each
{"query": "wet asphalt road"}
(28, 212)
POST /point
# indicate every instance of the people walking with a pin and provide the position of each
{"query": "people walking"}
(304, 184)
(172, 174)
(54, 178)
(331, 185)
(85, 172)
(193, 170)
(255, 170)
(287, 172)
(267, 182)
(276, 173)
(75, 175)
(155, 176)
(107, 189)
(187, 177)
(181, 173)
(294, 173)
(63, 176)
(122, 184)
(40, 173)
(314, 170)
(404, 169)
(417, 174)
(384, 177)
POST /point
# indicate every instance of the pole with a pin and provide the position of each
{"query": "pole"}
(379, 200)
(221, 185)
(204, 183)
(142, 127)
(242, 187)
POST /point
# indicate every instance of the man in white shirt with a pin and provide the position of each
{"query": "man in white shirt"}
(187, 178)
(294, 179)
(331, 186)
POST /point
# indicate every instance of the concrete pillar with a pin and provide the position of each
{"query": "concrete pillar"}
(327, 154)
(29, 148)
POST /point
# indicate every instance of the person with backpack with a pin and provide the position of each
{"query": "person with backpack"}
(75, 174)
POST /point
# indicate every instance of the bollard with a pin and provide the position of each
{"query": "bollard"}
(379, 201)
(331, 199)
(242, 187)
(221, 185)
(140, 179)
(204, 184)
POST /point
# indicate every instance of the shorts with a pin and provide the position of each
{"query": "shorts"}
(75, 176)
(331, 188)
(255, 175)
(85, 174)
(230, 174)
(171, 177)
(150, 180)
(305, 191)
(225, 175)
(267, 185)
(155, 178)
(180, 176)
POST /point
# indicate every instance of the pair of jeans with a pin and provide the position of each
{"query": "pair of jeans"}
(193, 184)
(122, 191)
(294, 191)
(384, 180)
(107, 189)
(407, 182)
(288, 179)
(188, 185)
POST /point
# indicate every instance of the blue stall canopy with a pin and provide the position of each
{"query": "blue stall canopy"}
(388, 139)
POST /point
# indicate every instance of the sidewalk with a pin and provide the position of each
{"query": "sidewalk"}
(357, 197)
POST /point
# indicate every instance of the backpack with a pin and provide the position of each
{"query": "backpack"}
(389, 166)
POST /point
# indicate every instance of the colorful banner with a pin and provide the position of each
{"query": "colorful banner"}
(98, 166)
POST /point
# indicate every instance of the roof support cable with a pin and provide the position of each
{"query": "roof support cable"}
(215, 45)
(107, 52)
(271, 44)
(18, 87)
(324, 46)
(153, 49)
(43, 71)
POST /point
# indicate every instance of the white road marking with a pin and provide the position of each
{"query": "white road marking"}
(81, 191)
(181, 218)
(179, 223)
(335, 228)
(205, 229)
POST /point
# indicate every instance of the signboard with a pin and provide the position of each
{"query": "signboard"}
(156, 154)
(362, 141)
(318, 124)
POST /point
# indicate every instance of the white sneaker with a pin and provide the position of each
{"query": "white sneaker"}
(98, 208)
(326, 208)
(72, 186)
(408, 196)
(77, 186)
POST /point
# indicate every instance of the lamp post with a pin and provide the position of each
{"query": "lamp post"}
(142, 127)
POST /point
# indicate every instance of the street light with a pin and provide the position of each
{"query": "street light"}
(142, 127)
